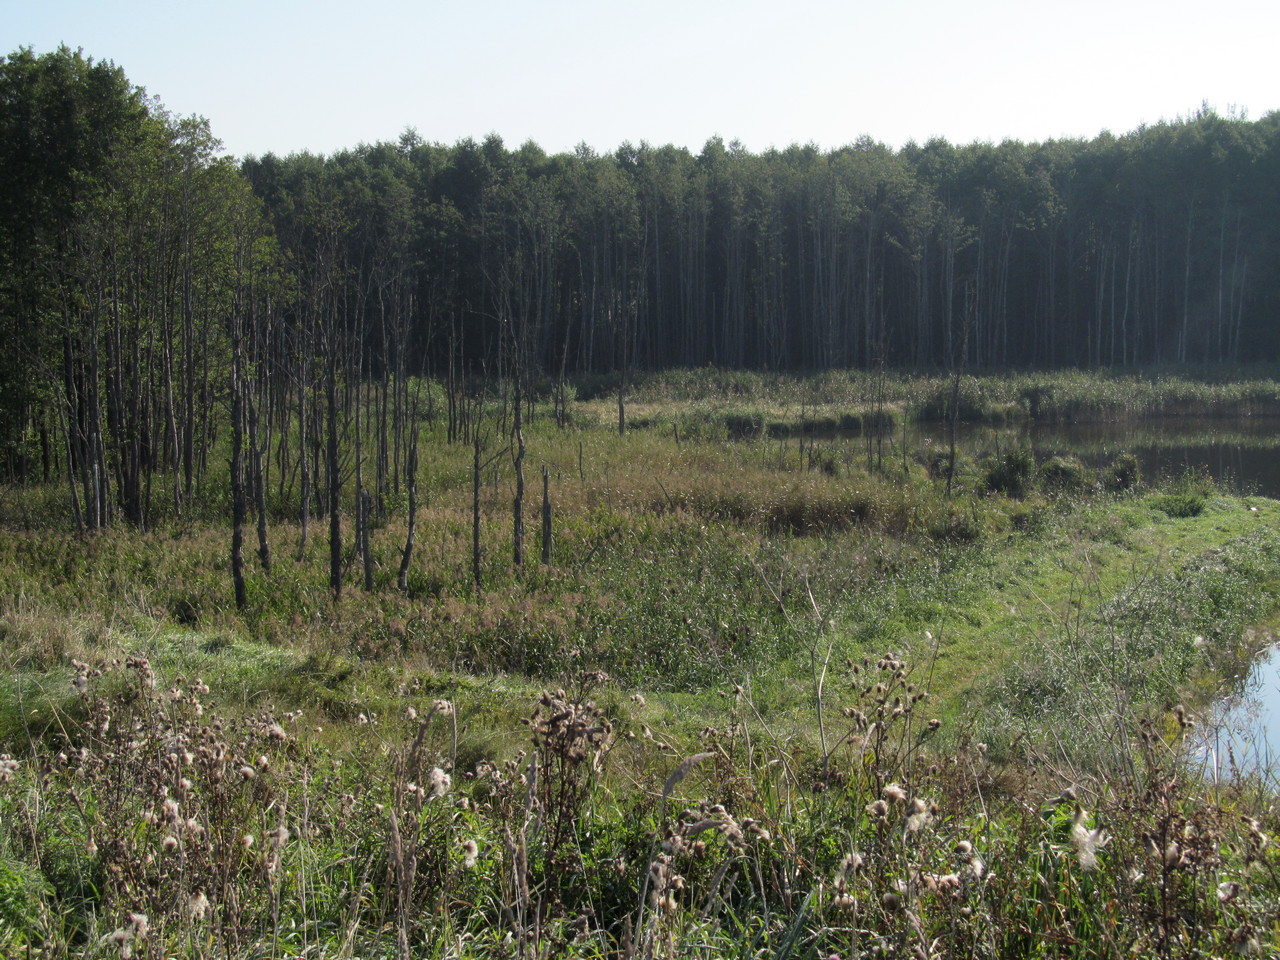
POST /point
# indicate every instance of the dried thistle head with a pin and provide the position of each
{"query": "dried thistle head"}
(893, 793)
(1086, 841)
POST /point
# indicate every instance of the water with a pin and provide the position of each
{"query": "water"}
(1242, 729)
(1242, 454)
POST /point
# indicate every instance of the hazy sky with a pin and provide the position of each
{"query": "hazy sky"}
(284, 76)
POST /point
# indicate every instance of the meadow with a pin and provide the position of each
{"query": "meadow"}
(786, 685)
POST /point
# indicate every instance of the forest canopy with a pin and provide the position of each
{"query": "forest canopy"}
(135, 258)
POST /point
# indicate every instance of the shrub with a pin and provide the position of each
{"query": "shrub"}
(1011, 473)
(1179, 505)
(1123, 473)
(1065, 474)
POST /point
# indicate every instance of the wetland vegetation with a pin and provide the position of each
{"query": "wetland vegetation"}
(770, 695)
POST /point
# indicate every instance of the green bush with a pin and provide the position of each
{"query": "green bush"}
(1123, 473)
(1179, 505)
(1011, 473)
(1065, 475)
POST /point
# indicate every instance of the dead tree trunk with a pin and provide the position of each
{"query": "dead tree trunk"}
(238, 509)
(406, 557)
(517, 505)
(475, 508)
(366, 513)
(259, 487)
(546, 516)
(335, 481)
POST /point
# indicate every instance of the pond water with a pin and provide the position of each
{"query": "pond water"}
(1242, 729)
(1242, 454)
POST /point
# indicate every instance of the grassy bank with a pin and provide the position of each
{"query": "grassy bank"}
(746, 403)
(762, 700)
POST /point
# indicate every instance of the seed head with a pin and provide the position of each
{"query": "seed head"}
(1087, 842)
(198, 906)
(894, 793)
(438, 782)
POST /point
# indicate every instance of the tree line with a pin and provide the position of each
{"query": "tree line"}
(1159, 246)
(157, 297)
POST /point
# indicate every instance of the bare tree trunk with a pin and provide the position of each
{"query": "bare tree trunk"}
(71, 472)
(335, 480)
(303, 464)
(475, 507)
(366, 512)
(546, 516)
(517, 505)
(406, 557)
(259, 487)
(238, 510)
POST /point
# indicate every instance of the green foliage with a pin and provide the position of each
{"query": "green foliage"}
(24, 896)
(1145, 644)
(1011, 473)
(735, 843)
(737, 584)
(1065, 475)
(1179, 504)
(1123, 473)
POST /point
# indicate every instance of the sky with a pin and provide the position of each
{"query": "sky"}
(283, 76)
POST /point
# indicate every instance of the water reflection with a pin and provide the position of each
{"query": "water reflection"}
(1239, 453)
(1242, 454)
(1242, 732)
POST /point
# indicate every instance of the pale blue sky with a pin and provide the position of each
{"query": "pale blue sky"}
(284, 76)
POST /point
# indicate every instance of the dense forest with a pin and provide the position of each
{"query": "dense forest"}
(149, 285)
